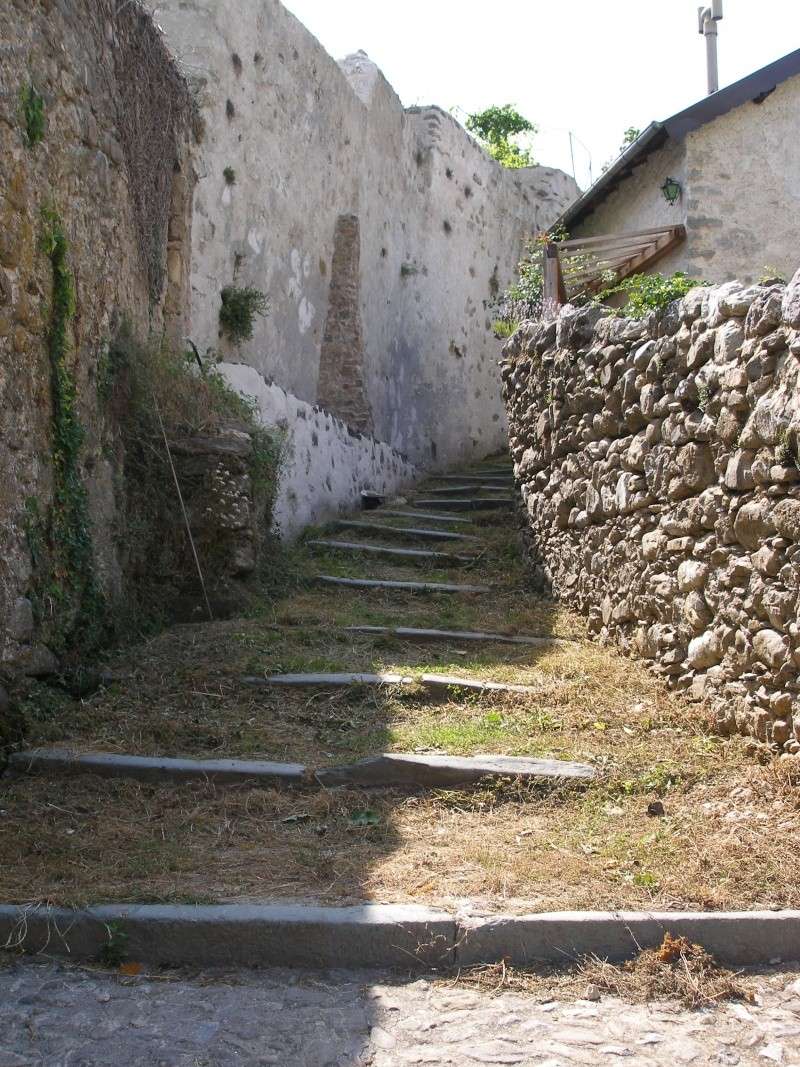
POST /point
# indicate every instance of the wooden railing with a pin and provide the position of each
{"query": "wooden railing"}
(585, 265)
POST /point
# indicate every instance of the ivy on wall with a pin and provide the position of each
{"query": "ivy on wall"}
(66, 598)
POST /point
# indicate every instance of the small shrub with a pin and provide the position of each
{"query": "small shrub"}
(229, 174)
(240, 306)
(32, 114)
(503, 329)
(651, 292)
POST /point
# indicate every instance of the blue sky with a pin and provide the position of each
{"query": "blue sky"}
(591, 67)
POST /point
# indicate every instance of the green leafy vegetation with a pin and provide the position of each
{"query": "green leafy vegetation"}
(67, 601)
(631, 134)
(142, 380)
(504, 328)
(495, 127)
(229, 174)
(239, 309)
(650, 292)
(32, 114)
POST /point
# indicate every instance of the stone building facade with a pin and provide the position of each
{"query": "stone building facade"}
(659, 462)
(736, 157)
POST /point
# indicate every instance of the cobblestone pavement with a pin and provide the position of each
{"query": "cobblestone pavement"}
(61, 1016)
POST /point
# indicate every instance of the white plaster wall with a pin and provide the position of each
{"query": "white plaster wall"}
(744, 190)
(310, 140)
(638, 204)
(326, 465)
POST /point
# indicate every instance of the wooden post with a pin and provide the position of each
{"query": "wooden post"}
(554, 293)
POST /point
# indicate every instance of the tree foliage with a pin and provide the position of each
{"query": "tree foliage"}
(495, 127)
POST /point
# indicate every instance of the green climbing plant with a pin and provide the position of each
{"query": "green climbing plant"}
(32, 103)
(66, 596)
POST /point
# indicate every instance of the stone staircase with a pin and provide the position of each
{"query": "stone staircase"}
(483, 492)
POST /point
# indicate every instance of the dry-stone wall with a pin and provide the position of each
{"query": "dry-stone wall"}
(658, 461)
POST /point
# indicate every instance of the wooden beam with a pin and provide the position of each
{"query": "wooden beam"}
(576, 242)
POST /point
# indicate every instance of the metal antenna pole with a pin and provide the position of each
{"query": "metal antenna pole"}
(708, 17)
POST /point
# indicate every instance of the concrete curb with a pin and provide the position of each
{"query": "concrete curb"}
(385, 935)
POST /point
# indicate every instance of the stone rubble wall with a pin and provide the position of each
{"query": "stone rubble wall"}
(659, 464)
(89, 60)
(326, 463)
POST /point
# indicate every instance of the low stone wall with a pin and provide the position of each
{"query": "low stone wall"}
(326, 464)
(658, 462)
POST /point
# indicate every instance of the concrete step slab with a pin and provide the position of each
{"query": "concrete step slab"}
(441, 772)
(477, 486)
(413, 554)
(156, 768)
(449, 681)
(505, 479)
(411, 587)
(240, 935)
(405, 532)
(410, 633)
(332, 681)
(474, 504)
(457, 520)
(388, 935)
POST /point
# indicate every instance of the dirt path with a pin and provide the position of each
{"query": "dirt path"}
(675, 818)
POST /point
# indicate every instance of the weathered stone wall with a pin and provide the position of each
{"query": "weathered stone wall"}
(326, 463)
(436, 229)
(103, 169)
(659, 465)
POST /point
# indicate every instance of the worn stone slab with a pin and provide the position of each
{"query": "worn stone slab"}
(399, 553)
(155, 768)
(418, 587)
(427, 515)
(448, 681)
(334, 679)
(370, 935)
(733, 938)
(433, 771)
(406, 532)
(412, 634)
(483, 503)
(477, 486)
(504, 477)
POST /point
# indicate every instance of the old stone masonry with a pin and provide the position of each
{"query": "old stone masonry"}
(659, 468)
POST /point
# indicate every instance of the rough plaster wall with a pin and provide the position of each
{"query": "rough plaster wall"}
(326, 465)
(659, 463)
(442, 226)
(68, 52)
(638, 203)
(743, 175)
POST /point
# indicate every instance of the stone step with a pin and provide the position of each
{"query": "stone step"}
(428, 516)
(156, 768)
(414, 554)
(434, 771)
(471, 487)
(472, 504)
(328, 681)
(450, 681)
(401, 532)
(503, 480)
(408, 633)
(387, 769)
(414, 587)
(434, 682)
